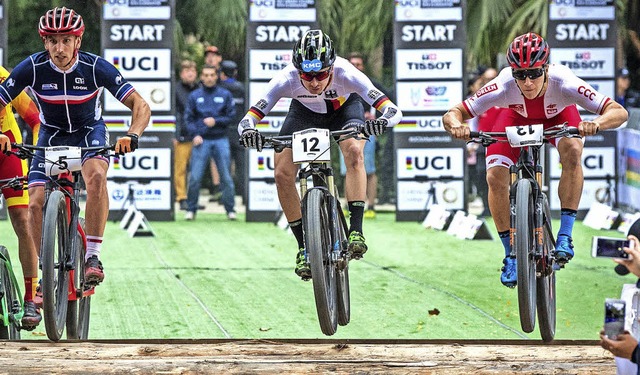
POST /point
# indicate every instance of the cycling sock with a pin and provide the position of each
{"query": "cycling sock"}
(371, 207)
(567, 218)
(296, 228)
(356, 210)
(93, 247)
(505, 238)
(30, 285)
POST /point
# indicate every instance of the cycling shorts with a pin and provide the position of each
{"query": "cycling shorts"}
(301, 117)
(501, 154)
(12, 166)
(96, 135)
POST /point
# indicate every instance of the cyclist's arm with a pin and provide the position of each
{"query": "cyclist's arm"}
(275, 91)
(453, 121)
(140, 113)
(613, 115)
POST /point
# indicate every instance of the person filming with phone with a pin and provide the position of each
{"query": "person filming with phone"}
(625, 345)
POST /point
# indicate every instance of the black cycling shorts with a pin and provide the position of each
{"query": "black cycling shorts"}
(301, 117)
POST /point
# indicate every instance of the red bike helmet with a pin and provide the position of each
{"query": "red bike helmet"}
(61, 21)
(528, 51)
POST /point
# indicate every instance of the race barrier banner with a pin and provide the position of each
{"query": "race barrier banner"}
(137, 38)
(272, 30)
(429, 40)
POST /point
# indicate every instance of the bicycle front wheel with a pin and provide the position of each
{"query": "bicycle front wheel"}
(344, 295)
(11, 301)
(525, 255)
(315, 221)
(546, 283)
(54, 253)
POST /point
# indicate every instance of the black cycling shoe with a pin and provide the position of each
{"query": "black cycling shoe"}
(31, 317)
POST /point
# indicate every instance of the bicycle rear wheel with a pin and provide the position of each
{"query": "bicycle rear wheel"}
(344, 295)
(546, 283)
(525, 255)
(11, 300)
(54, 253)
(315, 221)
(73, 318)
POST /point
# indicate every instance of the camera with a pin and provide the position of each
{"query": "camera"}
(610, 247)
(614, 313)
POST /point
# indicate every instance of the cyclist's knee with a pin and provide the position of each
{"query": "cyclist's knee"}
(285, 176)
(498, 178)
(571, 154)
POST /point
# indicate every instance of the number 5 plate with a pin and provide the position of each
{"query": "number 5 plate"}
(62, 159)
(526, 135)
(311, 145)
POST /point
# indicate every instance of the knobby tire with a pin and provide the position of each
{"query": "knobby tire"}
(11, 299)
(54, 252)
(316, 226)
(546, 284)
(525, 250)
(344, 295)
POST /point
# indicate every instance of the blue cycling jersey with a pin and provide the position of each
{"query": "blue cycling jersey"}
(68, 100)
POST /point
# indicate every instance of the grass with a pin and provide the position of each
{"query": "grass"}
(213, 278)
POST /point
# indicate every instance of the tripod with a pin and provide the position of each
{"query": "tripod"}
(130, 199)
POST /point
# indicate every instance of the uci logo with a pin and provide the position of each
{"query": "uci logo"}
(311, 66)
(263, 3)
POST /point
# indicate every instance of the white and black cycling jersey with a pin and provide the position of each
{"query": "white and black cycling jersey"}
(346, 81)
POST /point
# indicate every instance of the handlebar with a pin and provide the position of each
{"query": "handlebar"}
(26, 151)
(556, 131)
(15, 183)
(280, 142)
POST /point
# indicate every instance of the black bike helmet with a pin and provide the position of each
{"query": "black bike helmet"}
(314, 45)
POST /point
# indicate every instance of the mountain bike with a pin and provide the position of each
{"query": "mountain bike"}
(324, 225)
(11, 303)
(532, 240)
(66, 297)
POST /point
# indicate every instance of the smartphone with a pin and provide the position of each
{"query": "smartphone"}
(610, 247)
(614, 310)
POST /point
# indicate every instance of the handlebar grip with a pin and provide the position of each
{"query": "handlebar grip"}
(474, 134)
(573, 131)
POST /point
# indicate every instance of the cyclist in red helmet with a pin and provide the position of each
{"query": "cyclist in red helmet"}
(533, 92)
(67, 84)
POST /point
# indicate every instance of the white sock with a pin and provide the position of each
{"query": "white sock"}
(93, 247)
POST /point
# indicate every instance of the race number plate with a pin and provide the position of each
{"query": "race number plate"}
(525, 135)
(61, 159)
(311, 145)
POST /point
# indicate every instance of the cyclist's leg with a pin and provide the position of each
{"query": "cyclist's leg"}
(571, 182)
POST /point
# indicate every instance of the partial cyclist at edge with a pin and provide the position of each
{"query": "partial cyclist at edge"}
(533, 92)
(67, 84)
(18, 200)
(321, 85)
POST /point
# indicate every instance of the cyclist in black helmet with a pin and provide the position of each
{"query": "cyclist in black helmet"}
(323, 88)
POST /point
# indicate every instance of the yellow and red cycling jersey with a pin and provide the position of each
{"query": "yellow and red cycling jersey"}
(10, 165)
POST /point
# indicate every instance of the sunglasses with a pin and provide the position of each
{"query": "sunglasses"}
(319, 75)
(521, 75)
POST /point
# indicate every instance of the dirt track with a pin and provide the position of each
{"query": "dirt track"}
(288, 357)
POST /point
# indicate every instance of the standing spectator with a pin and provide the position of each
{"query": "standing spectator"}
(633, 48)
(625, 95)
(213, 57)
(229, 80)
(208, 114)
(182, 143)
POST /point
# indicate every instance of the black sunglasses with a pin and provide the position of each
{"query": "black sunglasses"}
(521, 75)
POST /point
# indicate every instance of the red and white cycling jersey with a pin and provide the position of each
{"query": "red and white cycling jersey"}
(346, 80)
(564, 89)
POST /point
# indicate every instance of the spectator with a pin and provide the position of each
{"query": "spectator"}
(213, 57)
(625, 347)
(625, 95)
(182, 144)
(228, 80)
(209, 112)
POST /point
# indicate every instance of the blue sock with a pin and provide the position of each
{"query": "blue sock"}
(567, 218)
(506, 242)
